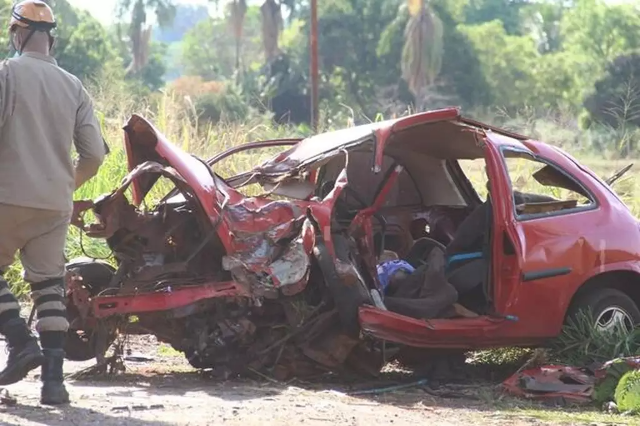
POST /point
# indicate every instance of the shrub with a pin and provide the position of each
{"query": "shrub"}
(215, 107)
(212, 101)
(628, 392)
(194, 86)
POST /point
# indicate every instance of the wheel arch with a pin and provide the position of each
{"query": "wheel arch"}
(626, 281)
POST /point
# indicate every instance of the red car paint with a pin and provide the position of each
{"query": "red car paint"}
(538, 265)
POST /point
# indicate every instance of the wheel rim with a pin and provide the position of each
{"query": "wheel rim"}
(611, 316)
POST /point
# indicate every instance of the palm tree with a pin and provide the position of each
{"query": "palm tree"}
(139, 32)
(423, 46)
(272, 23)
(237, 12)
(271, 27)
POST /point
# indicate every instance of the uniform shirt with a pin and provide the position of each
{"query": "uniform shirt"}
(43, 111)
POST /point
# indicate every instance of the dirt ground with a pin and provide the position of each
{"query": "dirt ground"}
(164, 390)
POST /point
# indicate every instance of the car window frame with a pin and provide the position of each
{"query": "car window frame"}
(595, 205)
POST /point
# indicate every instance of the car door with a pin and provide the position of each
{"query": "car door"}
(551, 239)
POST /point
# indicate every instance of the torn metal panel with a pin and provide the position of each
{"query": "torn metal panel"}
(322, 146)
(114, 211)
(551, 383)
(251, 268)
(317, 148)
(267, 265)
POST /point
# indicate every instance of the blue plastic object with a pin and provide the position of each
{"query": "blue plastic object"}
(463, 256)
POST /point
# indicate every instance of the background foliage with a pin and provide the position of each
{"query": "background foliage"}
(569, 62)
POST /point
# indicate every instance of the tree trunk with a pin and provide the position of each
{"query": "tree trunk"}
(271, 27)
(238, 13)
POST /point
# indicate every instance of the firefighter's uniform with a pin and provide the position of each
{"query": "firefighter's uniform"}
(44, 111)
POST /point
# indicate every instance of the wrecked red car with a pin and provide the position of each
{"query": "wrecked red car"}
(506, 238)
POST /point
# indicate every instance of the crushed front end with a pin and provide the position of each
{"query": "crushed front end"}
(234, 282)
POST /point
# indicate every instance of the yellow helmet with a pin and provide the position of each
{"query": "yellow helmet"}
(34, 14)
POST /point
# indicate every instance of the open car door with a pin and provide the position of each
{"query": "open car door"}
(504, 254)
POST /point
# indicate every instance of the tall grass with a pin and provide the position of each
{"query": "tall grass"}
(176, 118)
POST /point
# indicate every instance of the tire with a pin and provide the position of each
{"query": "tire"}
(97, 276)
(604, 303)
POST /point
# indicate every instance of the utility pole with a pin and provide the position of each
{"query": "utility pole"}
(314, 65)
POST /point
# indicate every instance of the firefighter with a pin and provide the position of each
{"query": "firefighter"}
(43, 110)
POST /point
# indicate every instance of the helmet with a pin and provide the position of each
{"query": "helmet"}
(33, 14)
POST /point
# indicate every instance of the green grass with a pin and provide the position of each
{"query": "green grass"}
(507, 407)
(586, 416)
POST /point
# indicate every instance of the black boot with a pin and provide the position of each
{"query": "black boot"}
(53, 390)
(25, 354)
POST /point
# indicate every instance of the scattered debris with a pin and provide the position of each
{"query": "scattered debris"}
(138, 357)
(138, 407)
(552, 383)
(610, 408)
(106, 365)
(419, 383)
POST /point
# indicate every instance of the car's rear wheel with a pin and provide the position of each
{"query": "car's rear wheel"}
(608, 307)
(81, 344)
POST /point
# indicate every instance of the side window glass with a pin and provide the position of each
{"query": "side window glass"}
(540, 188)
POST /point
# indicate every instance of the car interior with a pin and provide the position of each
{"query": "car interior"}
(426, 205)
(440, 200)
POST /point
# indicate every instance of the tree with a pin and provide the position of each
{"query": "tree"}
(422, 51)
(508, 12)
(210, 51)
(272, 22)
(83, 46)
(347, 47)
(139, 32)
(237, 13)
(596, 33)
(508, 63)
(186, 18)
(542, 20)
(461, 80)
(615, 98)
(600, 31)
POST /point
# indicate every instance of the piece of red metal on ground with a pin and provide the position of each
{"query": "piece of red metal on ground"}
(552, 382)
